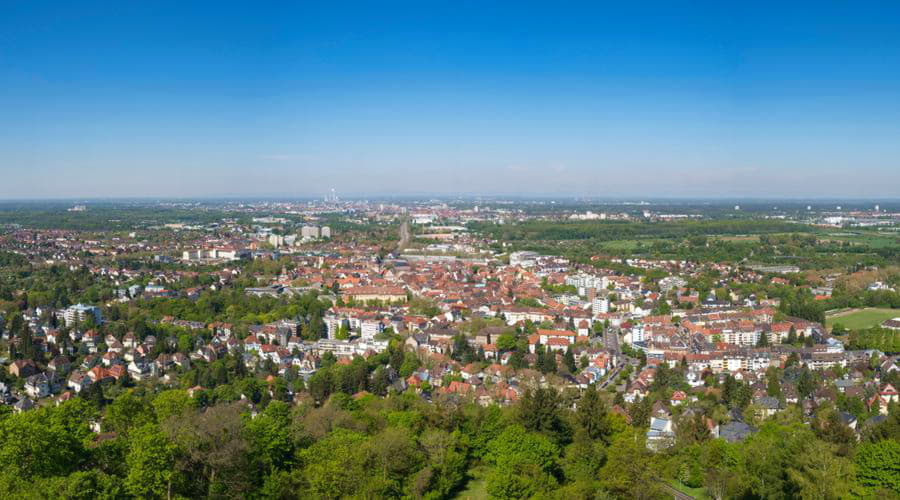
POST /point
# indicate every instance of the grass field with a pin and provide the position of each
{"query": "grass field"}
(738, 238)
(475, 487)
(858, 319)
(623, 244)
(872, 239)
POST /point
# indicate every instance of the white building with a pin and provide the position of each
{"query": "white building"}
(309, 232)
(671, 283)
(600, 305)
(80, 312)
(524, 258)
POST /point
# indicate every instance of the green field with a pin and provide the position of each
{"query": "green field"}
(858, 319)
(872, 239)
(475, 487)
(628, 245)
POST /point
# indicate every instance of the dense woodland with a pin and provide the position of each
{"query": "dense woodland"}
(168, 444)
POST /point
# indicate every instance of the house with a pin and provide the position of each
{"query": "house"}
(661, 434)
(889, 394)
(768, 405)
(110, 358)
(735, 431)
(129, 341)
(23, 405)
(584, 328)
(251, 343)
(117, 371)
(59, 365)
(848, 419)
(139, 370)
(637, 391)
(181, 361)
(37, 386)
(98, 374)
(79, 381)
(22, 368)
(882, 400)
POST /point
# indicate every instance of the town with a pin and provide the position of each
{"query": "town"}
(300, 308)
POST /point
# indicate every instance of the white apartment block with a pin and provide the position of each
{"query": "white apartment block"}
(80, 312)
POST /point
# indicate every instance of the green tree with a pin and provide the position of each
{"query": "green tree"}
(791, 336)
(151, 463)
(446, 462)
(269, 437)
(173, 402)
(524, 464)
(32, 447)
(81, 485)
(506, 342)
(343, 332)
(818, 473)
(539, 410)
(214, 448)
(334, 466)
(394, 454)
(126, 412)
(569, 360)
(878, 465)
(806, 383)
(583, 457)
(592, 415)
(691, 429)
(769, 454)
(630, 471)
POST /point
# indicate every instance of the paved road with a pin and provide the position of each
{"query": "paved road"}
(404, 235)
(611, 340)
(612, 375)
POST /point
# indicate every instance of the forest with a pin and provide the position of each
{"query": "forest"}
(171, 444)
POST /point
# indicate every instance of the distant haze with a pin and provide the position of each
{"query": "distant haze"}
(194, 99)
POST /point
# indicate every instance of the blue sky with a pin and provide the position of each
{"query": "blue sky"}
(122, 99)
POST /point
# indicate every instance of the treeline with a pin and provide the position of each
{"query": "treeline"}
(228, 305)
(102, 217)
(620, 230)
(169, 444)
(11, 259)
(50, 286)
(882, 339)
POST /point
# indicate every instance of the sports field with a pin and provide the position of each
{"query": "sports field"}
(858, 319)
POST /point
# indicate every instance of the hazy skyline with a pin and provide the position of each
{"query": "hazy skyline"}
(169, 99)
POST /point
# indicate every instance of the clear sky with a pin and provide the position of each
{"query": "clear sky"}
(123, 99)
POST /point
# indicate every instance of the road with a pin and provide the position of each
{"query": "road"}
(404, 235)
(612, 375)
(611, 340)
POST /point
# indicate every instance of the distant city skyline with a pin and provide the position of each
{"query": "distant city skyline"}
(205, 99)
